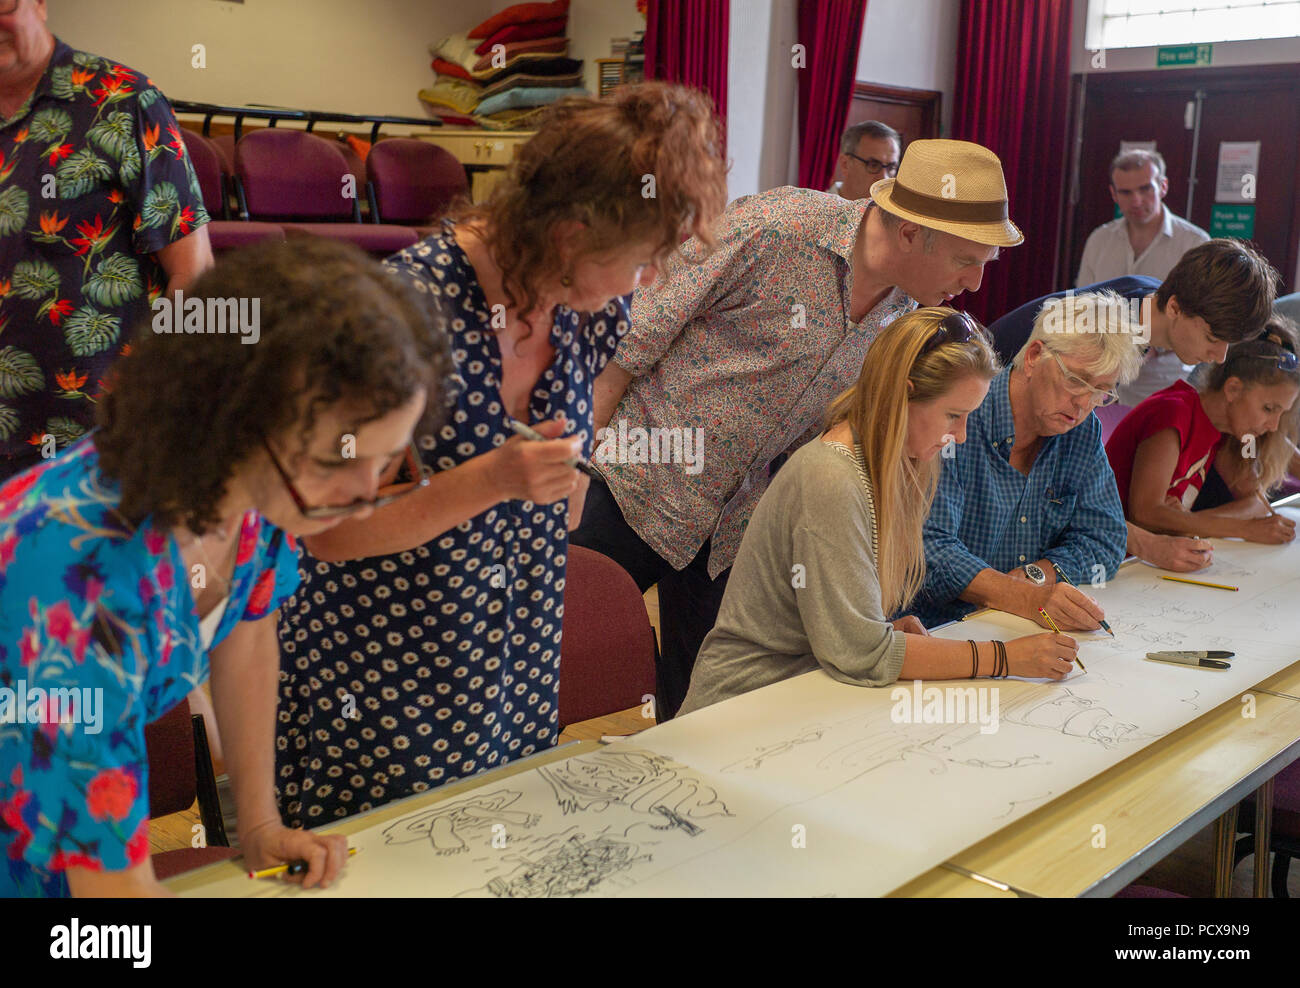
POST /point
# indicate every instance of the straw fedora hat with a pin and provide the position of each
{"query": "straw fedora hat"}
(953, 186)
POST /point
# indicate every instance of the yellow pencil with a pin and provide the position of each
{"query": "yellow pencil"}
(1260, 495)
(1197, 583)
(298, 867)
(1052, 624)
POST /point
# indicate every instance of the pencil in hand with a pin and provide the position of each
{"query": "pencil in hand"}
(1053, 625)
(1068, 582)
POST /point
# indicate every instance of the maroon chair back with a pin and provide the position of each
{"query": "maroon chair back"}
(607, 660)
(356, 166)
(414, 181)
(207, 166)
(224, 145)
(169, 742)
(292, 175)
(1111, 416)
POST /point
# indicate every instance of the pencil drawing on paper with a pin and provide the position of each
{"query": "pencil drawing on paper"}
(565, 867)
(768, 751)
(639, 780)
(448, 826)
(1073, 715)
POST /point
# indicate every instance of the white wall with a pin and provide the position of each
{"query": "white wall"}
(353, 57)
(912, 43)
(762, 90)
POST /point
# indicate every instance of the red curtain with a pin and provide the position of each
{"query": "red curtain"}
(1012, 96)
(831, 33)
(686, 42)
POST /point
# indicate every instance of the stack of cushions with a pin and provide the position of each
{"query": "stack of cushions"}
(505, 72)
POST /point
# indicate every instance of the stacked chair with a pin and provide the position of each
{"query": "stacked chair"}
(279, 182)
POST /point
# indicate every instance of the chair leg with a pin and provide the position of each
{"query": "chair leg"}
(1281, 867)
(1245, 848)
(205, 783)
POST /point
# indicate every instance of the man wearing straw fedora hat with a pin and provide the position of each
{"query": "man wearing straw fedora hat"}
(735, 353)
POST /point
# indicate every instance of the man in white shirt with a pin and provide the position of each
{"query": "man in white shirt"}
(869, 151)
(1147, 240)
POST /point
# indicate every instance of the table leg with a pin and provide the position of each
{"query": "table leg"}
(1263, 837)
(1225, 833)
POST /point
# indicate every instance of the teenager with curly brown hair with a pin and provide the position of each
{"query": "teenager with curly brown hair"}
(439, 619)
(159, 548)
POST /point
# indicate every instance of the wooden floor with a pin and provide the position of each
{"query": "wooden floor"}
(1188, 870)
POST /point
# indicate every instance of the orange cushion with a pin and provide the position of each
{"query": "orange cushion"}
(444, 67)
(520, 13)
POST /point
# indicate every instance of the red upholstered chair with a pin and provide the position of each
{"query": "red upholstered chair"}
(608, 652)
(413, 182)
(297, 179)
(207, 166)
(180, 770)
(226, 234)
(224, 145)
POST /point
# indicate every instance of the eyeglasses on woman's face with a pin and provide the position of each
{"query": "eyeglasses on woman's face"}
(414, 467)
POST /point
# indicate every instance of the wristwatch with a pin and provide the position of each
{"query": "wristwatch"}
(1035, 574)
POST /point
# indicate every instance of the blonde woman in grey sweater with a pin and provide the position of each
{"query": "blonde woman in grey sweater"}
(835, 544)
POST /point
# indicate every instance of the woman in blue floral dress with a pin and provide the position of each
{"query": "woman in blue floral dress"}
(138, 560)
(424, 643)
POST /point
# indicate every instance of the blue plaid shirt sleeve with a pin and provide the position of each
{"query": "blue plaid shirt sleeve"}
(949, 564)
(1096, 534)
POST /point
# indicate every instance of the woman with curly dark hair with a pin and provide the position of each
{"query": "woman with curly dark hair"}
(162, 544)
(440, 617)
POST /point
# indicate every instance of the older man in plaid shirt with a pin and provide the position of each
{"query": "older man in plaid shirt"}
(1030, 495)
(743, 348)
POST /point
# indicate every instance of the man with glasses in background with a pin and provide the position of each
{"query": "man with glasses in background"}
(869, 151)
(1030, 498)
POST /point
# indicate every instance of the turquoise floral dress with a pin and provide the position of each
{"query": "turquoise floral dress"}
(99, 636)
(94, 179)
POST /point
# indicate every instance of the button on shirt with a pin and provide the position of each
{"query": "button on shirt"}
(1108, 253)
(988, 515)
(749, 343)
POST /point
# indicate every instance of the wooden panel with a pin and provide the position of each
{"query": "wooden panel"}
(914, 113)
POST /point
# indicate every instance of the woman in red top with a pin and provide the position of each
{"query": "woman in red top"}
(1237, 424)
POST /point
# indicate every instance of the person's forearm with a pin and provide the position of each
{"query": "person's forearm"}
(607, 392)
(999, 591)
(940, 658)
(1216, 523)
(453, 496)
(245, 677)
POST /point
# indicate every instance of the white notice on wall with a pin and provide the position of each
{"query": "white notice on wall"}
(1238, 171)
(1126, 146)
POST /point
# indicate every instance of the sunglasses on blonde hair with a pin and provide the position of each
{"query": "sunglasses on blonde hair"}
(956, 327)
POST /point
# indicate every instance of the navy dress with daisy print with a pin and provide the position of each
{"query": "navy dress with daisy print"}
(449, 652)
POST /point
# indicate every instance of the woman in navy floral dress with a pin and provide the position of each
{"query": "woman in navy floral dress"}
(131, 564)
(424, 643)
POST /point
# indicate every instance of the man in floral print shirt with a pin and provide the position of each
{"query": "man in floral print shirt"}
(744, 347)
(100, 213)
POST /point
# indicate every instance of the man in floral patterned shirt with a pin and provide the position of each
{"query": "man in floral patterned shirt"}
(100, 213)
(741, 350)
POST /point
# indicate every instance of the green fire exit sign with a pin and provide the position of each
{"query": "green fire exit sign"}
(1183, 55)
